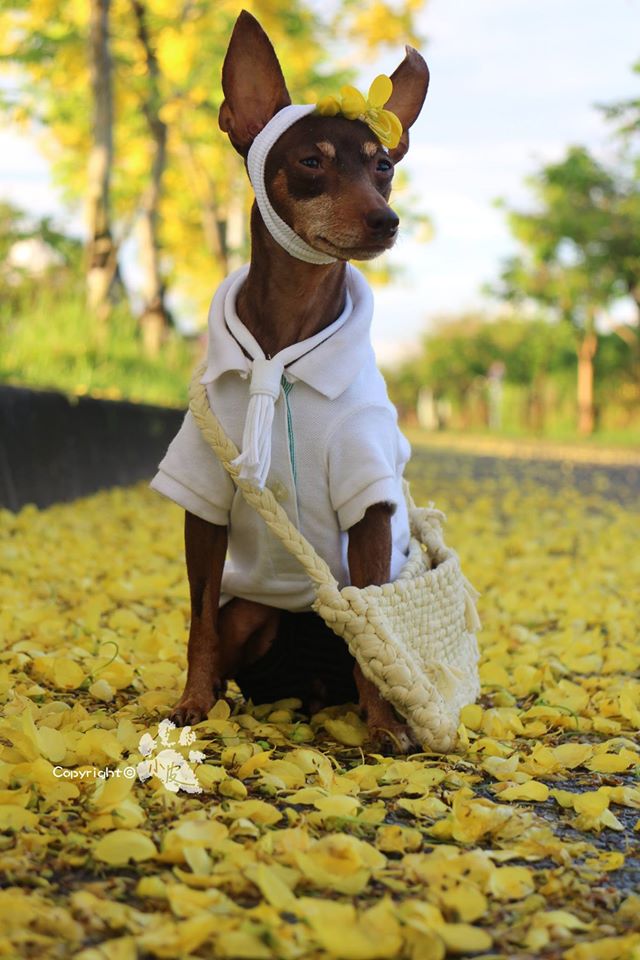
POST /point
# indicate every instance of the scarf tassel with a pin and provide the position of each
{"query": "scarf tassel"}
(255, 460)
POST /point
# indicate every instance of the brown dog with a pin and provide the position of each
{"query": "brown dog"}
(329, 179)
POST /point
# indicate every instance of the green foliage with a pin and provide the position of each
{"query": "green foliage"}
(626, 113)
(205, 194)
(580, 243)
(17, 225)
(462, 349)
(539, 374)
(50, 341)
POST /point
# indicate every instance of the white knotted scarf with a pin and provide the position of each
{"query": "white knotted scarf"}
(264, 388)
(267, 372)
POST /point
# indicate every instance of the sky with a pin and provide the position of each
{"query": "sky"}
(513, 84)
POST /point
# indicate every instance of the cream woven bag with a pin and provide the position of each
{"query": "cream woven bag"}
(414, 638)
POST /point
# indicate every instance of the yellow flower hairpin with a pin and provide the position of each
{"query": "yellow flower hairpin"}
(353, 105)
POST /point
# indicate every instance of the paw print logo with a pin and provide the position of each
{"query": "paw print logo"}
(166, 763)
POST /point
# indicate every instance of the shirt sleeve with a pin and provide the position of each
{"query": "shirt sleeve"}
(366, 456)
(191, 475)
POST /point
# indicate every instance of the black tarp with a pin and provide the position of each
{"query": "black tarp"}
(57, 448)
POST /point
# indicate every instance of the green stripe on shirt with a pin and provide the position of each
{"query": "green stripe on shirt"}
(288, 387)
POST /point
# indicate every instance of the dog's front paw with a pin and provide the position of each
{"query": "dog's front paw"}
(393, 736)
(388, 732)
(192, 708)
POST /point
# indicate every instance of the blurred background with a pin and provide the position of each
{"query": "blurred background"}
(510, 306)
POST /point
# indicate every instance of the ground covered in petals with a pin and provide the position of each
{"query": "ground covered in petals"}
(302, 843)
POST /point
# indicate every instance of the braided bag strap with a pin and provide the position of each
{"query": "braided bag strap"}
(261, 500)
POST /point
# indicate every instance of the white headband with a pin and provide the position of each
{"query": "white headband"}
(256, 159)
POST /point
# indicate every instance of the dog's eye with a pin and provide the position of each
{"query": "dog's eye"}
(311, 162)
(384, 165)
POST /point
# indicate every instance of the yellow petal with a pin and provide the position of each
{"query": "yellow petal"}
(234, 944)
(396, 129)
(337, 806)
(258, 811)
(233, 788)
(328, 106)
(120, 846)
(511, 883)
(573, 754)
(349, 730)
(380, 91)
(52, 744)
(532, 790)
(468, 902)
(372, 935)
(593, 803)
(198, 860)
(170, 939)
(612, 762)
(271, 886)
(249, 767)
(13, 817)
(471, 716)
(353, 103)
(463, 938)
(67, 674)
(386, 126)
(101, 690)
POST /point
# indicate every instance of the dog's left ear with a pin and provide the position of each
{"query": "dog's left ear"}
(410, 85)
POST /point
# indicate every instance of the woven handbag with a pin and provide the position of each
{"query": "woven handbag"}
(414, 638)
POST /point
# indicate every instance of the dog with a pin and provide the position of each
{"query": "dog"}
(322, 191)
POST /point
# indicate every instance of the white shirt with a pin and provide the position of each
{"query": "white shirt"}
(336, 450)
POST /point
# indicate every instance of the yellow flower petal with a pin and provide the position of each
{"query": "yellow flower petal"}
(396, 128)
(120, 846)
(511, 883)
(353, 103)
(386, 126)
(380, 91)
(328, 106)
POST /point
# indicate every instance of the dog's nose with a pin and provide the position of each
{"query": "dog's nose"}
(383, 221)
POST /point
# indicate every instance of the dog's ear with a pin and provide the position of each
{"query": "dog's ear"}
(410, 85)
(252, 83)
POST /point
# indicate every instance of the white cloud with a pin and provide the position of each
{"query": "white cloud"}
(25, 181)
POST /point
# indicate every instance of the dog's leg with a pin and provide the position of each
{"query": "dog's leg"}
(246, 630)
(205, 549)
(369, 556)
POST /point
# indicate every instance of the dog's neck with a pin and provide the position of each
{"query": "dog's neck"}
(284, 300)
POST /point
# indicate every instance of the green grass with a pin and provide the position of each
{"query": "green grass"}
(553, 435)
(49, 342)
(610, 446)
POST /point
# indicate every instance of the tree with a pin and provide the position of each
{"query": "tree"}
(581, 251)
(626, 113)
(102, 257)
(174, 174)
(155, 316)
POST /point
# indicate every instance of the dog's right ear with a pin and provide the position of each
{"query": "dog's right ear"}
(252, 82)
(410, 84)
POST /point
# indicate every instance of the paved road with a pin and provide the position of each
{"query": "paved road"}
(619, 483)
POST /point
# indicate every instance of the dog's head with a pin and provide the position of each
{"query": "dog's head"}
(329, 178)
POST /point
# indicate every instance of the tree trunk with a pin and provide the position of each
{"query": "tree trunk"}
(101, 250)
(155, 318)
(586, 411)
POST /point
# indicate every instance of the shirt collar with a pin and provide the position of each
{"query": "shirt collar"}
(329, 368)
